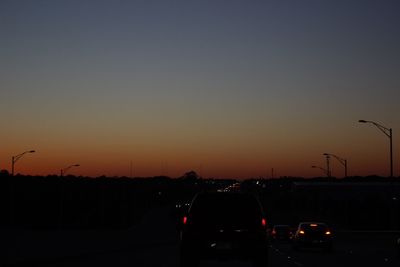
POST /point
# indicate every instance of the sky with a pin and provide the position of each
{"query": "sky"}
(230, 89)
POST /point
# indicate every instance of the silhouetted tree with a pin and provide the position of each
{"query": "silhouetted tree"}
(4, 173)
(191, 175)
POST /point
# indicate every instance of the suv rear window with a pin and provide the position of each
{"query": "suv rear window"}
(225, 209)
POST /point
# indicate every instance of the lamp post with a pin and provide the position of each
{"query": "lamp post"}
(61, 204)
(63, 171)
(388, 133)
(328, 169)
(341, 160)
(324, 170)
(14, 159)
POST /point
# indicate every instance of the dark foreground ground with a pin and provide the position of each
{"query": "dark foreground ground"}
(154, 242)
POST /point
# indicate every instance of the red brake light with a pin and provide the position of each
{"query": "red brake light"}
(263, 222)
(184, 220)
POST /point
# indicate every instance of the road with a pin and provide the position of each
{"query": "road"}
(154, 242)
(350, 249)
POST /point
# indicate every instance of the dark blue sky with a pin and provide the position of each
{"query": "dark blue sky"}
(205, 78)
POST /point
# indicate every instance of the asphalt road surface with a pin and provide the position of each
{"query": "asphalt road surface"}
(155, 242)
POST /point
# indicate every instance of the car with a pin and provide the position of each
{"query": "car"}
(178, 210)
(224, 226)
(281, 232)
(313, 234)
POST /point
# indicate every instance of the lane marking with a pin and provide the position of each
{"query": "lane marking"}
(287, 256)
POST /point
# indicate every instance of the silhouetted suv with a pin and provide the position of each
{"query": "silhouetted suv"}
(224, 225)
(313, 234)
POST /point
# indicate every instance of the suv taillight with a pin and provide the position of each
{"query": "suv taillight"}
(184, 220)
(263, 222)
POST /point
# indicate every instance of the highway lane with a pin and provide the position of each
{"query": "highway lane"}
(350, 249)
(155, 242)
(280, 255)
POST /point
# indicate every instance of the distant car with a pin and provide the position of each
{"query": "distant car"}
(224, 225)
(179, 210)
(281, 233)
(313, 234)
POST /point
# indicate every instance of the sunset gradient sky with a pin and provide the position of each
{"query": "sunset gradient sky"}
(226, 88)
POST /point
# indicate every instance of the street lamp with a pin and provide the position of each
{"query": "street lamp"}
(341, 160)
(63, 171)
(388, 133)
(324, 170)
(328, 169)
(14, 159)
